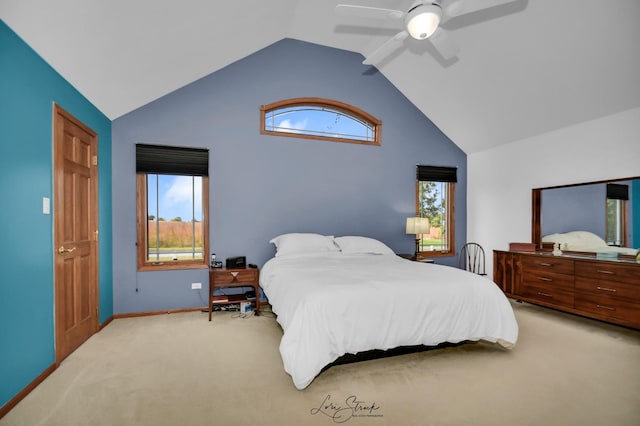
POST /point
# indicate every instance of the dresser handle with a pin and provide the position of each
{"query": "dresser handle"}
(605, 307)
(613, 290)
(545, 279)
(605, 272)
(544, 264)
(235, 274)
(544, 294)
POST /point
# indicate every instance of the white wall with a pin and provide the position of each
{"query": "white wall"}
(500, 180)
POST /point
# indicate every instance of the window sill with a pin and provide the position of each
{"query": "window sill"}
(169, 266)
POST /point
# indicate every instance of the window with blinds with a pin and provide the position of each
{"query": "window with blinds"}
(435, 189)
(172, 207)
(617, 197)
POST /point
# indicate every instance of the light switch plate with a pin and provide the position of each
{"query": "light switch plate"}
(46, 205)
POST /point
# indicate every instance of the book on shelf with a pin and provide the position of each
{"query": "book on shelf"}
(220, 298)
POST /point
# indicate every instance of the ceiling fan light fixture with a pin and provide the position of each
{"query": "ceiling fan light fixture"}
(423, 20)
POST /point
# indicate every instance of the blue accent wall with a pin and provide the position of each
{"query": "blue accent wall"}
(575, 208)
(28, 89)
(262, 186)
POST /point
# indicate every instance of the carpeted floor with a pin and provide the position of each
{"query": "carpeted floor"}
(180, 369)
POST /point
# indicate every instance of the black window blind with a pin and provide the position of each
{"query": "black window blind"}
(172, 160)
(436, 173)
(616, 191)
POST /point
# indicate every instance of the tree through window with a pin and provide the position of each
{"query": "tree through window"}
(435, 189)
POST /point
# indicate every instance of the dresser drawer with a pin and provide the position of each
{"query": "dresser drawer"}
(548, 279)
(609, 307)
(611, 287)
(231, 276)
(548, 294)
(609, 271)
(547, 263)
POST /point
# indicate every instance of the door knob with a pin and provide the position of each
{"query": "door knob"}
(62, 250)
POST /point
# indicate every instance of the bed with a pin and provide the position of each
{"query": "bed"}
(352, 294)
(585, 241)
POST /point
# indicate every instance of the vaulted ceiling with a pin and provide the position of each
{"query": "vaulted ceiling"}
(524, 68)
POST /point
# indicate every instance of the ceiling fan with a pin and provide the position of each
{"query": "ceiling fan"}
(421, 22)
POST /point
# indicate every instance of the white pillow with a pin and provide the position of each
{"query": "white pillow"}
(297, 243)
(355, 244)
(576, 240)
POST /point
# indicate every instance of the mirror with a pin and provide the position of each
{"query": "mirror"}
(585, 207)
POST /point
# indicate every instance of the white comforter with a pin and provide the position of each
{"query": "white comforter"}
(340, 303)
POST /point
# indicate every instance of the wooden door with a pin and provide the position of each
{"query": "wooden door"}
(75, 232)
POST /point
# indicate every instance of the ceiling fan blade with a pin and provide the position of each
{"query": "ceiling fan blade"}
(462, 7)
(389, 46)
(443, 44)
(369, 12)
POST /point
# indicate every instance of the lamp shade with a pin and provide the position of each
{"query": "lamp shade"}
(423, 20)
(418, 225)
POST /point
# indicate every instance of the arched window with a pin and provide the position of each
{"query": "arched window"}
(317, 118)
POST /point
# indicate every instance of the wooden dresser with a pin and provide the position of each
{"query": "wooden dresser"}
(608, 290)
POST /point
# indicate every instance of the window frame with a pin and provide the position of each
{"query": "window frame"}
(450, 218)
(350, 110)
(617, 197)
(142, 234)
(620, 221)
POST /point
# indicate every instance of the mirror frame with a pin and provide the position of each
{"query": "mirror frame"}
(536, 206)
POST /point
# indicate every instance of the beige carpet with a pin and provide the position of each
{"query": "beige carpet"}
(180, 369)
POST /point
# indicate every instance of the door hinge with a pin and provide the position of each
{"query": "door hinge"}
(94, 160)
(95, 233)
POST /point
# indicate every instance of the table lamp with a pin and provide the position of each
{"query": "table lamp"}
(417, 226)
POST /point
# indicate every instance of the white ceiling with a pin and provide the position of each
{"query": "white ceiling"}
(525, 68)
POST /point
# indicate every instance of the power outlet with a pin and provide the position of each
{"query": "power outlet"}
(196, 286)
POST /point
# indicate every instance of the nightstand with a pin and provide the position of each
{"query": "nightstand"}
(240, 277)
(412, 257)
